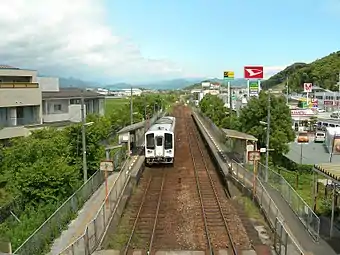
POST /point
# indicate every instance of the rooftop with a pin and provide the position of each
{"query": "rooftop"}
(239, 135)
(329, 170)
(8, 67)
(71, 93)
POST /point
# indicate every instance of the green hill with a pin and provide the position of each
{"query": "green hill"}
(322, 72)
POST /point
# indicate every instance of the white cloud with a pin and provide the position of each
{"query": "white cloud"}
(271, 70)
(72, 38)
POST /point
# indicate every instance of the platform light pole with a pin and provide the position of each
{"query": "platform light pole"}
(83, 134)
(267, 136)
(131, 107)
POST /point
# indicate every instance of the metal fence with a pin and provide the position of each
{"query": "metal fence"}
(95, 230)
(306, 215)
(56, 223)
(284, 242)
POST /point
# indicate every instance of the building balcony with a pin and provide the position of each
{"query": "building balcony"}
(17, 122)
(19, 85)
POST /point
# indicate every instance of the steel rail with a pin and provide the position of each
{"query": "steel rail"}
(199, 193)
(194, 132)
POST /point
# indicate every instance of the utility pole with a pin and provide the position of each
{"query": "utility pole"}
(287, 90)
(131, 107)
(268, 136)
(338, 99)
(83, 133)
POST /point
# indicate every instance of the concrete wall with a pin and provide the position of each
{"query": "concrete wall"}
(48, 84)
(19, 72)
(61, 110)
(10, 97)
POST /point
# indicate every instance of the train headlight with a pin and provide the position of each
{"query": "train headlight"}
(169, 151)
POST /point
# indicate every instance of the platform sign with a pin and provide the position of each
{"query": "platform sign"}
(228, 75)
(106, 166)
(254, 155)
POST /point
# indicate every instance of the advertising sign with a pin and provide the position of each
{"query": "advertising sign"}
(253, 72)
(253, 88)
(205, 84)
(308, 87)
(336, 145)
(228, 75)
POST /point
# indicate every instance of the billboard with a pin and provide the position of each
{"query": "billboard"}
(205, 84)
(254, 88)
(253, 72)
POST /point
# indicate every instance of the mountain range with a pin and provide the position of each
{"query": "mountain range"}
(160, 85)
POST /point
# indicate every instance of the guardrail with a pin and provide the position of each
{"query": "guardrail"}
(55, 224)
(284, 242)
(301, 209)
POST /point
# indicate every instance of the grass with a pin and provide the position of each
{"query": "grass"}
(251, 210)
(112, 103)
(304, 188)
(5, 197)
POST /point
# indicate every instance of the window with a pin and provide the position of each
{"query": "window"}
(168, 141)
(159, 141)
(57, 107)
(150, 141)
(75, 101)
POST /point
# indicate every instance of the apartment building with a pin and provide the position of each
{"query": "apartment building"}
(28, 102)
(20, 101)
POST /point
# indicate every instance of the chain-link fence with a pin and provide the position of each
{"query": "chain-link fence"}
(39, 241)
(284, 243)
(87, 243)
(306, 215)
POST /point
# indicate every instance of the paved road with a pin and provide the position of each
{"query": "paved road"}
(312, 153)
(295, 226)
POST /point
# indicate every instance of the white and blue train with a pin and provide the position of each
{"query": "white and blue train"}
(160, 141)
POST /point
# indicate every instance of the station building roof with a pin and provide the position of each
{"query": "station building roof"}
(239, 135)
(132, 127)
(329, 170)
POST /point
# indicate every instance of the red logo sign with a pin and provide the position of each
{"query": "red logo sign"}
(253, 72)
(308, 87)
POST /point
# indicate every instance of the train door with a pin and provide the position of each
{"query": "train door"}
(159, 150)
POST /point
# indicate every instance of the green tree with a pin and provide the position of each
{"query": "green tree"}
(213, 107)
(281, 132)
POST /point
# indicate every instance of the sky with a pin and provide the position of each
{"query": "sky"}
(149, 40)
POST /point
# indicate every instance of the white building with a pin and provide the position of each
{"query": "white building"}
(28, 101)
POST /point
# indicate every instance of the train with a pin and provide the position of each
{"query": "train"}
(160, 142)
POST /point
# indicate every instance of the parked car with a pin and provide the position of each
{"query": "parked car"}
(335, 115)
(320, 137)
(321, 110)
(303, 137)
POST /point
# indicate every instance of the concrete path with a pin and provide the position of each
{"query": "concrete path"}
(77, 227)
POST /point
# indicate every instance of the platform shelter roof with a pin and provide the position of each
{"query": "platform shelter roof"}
(239, 135)
(132, 127)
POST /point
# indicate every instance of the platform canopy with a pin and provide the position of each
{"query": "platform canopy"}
(132, 127)
(329, 170)
(239, 135)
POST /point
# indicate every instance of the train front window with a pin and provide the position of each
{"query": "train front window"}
(150, 141)
(159, 141)
(168, 141)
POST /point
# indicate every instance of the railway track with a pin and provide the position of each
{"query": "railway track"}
(215, 223)
(144, 226)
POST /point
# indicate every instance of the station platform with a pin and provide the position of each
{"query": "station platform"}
(292, 222)
(77, 227)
